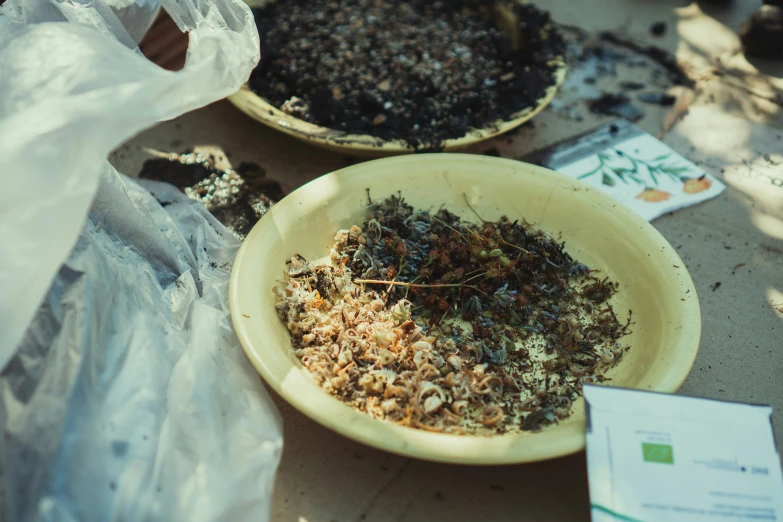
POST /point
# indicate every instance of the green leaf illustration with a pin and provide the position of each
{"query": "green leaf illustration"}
(586, 174)
(676, 170)
(610, 171)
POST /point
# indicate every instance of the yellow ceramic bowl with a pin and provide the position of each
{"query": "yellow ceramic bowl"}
(366, 145)
(597, 230)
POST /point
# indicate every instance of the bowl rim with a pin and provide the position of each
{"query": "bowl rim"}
(421, 444)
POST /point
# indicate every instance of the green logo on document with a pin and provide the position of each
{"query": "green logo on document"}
(661, 453)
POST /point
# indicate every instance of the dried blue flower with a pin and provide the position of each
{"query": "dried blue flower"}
(578, 269)
(474, 305)
(503, 297)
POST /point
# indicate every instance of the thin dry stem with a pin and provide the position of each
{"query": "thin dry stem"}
(402, 283)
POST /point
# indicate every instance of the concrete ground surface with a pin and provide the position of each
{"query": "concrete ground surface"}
(733, 129)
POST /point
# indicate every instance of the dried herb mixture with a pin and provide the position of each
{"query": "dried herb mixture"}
(427, 321)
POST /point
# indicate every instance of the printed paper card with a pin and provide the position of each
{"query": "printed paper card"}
(654, 456)
(632, 167)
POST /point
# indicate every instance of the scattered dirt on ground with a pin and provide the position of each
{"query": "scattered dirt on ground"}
(238, 198)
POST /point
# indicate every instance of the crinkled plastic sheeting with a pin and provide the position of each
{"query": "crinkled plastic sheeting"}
(124, 394)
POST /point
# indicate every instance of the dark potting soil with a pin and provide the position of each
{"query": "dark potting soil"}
(414, 70)
(610, 104)
(658, 29)
(762, 33)
(237, 198)
(657, 98)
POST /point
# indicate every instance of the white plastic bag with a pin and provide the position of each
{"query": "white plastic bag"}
(69, 94)
(124, 394)
(129, 397)
(136, 16)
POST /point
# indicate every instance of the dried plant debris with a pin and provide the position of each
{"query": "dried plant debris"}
(237, 198)
(414, 70)
(430, 322)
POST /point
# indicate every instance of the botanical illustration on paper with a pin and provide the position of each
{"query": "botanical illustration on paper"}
(617, 166)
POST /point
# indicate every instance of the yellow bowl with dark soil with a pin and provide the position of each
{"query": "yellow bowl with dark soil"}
(367, 145)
